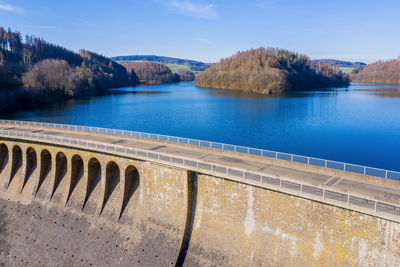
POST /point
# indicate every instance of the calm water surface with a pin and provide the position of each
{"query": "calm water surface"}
(359, 124)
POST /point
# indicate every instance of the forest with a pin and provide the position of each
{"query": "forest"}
(378, 72)
(44, 68)
(185, 75)
(150, 72)
(35, 72)
(270, 71)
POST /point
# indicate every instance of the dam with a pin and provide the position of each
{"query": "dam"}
(85, 196)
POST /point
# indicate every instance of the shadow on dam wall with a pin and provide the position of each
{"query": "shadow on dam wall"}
(191, 212)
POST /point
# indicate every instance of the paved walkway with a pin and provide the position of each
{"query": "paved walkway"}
(343, 181)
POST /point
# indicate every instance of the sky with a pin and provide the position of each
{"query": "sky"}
(206, 30)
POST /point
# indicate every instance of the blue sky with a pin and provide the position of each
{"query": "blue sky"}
(206, 30)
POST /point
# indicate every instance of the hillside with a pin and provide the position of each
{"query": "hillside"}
(177, 67)
(185, 75)
(49, 72)
(270, 71)
(151, 72)
(378, 72)
(192, 64)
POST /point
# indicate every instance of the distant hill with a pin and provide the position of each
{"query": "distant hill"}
(341, 63)
(192, 64)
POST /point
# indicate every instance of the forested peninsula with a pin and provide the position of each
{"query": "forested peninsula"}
(378, 72)
(270, 71)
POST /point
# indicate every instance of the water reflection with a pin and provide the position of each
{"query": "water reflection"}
(252, 95)
(238, 94)
(388, 91)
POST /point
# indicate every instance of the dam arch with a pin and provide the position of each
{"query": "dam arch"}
(132, 182)
(77, 172)
(46, 165)
(31, 164)
(16, 162)
(60, 170)
(94, 177)
(4, 157)
(112, 179)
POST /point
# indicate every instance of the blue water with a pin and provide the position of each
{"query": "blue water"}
(359, 124)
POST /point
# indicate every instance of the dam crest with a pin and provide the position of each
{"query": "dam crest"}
(75, 197)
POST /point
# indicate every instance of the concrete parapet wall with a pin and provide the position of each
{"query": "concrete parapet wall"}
(146, 213)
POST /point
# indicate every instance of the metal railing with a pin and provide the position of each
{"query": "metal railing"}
(347, 200)
(393, 175)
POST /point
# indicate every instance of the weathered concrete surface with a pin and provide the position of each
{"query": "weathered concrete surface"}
(73, 206)
(239, 224)
(47, 235)
(47, 230)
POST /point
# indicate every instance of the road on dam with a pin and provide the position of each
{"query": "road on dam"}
(375, 188)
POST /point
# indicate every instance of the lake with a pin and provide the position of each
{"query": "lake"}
(359, 124)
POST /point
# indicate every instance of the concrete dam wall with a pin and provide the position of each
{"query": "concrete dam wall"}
(72, 206)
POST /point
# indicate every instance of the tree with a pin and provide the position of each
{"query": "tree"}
(150, 72)
(50, 76)
(378, 72)
(185, 75)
